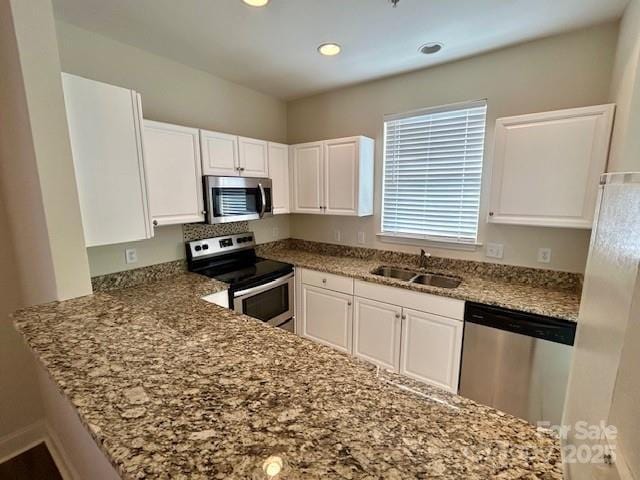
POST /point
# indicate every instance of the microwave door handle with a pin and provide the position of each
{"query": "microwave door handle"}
(264, 200)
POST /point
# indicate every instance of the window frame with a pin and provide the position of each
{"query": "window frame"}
(422, 240)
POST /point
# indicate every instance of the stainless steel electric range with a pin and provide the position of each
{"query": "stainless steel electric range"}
(260, 288)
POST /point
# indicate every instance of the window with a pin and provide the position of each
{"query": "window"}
(433, 172)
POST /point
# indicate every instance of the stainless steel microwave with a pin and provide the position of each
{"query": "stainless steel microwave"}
(235, 199)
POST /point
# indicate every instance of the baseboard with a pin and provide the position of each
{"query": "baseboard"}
(59, 455)
(28, 437)
(20, 441)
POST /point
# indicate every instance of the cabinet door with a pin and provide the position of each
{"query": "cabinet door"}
(376, 333)
(431, 349)
(253, 157)
(106, 142)
(327, 317)
(219, 153)
(279, 174)
(547, 166)
(174, 172)
(341, 176)
(307, 159)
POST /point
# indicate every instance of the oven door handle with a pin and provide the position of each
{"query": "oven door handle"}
(264, 200)
(263, 288)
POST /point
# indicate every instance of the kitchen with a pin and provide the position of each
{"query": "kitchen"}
(137, 377)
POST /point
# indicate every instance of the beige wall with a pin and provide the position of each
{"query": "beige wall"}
(625, 92)
(41, 243)
(51, 150)
(565, 71)
(171, 92)
(625, 156)
(168, 245)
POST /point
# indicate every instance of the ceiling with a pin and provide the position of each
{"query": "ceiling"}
(273, 49)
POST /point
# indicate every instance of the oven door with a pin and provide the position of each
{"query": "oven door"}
(235, 199)
(272, 302)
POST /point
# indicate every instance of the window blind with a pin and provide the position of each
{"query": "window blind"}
(432, 173)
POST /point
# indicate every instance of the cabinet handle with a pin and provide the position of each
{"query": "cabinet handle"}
(324, 280)
(491, 214)
(348, 304)
(404, 317)
(155, 223)
(204, 212)
(242, 169)
(397, 315)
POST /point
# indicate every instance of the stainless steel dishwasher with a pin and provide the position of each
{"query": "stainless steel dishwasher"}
(516, 362)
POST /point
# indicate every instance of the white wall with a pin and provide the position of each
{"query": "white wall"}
(568, 70)
(171, 92)
(625, 92)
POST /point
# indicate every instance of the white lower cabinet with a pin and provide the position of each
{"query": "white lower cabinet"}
(431, 348)
(327, 317)
(376, 332)
(415, 334)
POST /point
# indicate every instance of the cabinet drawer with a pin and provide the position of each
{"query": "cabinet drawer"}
(424, 302)
(327, 280)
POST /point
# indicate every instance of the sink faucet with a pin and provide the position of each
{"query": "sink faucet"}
(422, 262)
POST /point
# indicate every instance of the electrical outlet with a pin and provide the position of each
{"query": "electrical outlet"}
(275, 232)
(337, 235)
(131, 255)
(361, 238)
(495, 250)
(544, 255)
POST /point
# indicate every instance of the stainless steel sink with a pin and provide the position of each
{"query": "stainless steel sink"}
(441, 281)
(398, 273)
(410, 276)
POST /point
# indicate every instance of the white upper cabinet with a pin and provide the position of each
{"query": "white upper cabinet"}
(278, 155)
(308, 161)
(174, 173)
(230, 155)
(253, 157)
(219, 153)
(105, 128)
(546, 167)
(334, 177)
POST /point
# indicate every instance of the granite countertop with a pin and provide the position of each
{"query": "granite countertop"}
(172, 387)
(562, 303)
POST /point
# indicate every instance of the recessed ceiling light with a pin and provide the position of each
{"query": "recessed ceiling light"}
(256, 3)
(431, 48)
(329, 49)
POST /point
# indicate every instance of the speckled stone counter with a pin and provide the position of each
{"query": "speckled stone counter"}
(172, 387)
(499, 286)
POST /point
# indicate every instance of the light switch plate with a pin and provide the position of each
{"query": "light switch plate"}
(495, 250)
(544, 255)
(131, 255)
(361, 238)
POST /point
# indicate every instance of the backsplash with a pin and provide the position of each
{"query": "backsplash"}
(138, 276)
(198, 231)
(522, 275)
